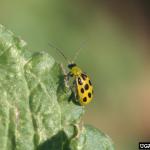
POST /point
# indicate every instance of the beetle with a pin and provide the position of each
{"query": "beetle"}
(81, 81)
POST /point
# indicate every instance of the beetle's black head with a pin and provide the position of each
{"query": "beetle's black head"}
(70, 66)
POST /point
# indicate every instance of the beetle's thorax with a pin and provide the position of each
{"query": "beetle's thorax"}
(76, 71)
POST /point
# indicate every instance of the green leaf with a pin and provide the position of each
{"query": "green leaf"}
(91, 139)
(37, 111)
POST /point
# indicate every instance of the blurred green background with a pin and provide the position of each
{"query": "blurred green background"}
(116, 55)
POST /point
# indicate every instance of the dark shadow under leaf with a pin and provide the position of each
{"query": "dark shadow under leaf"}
(57, 142)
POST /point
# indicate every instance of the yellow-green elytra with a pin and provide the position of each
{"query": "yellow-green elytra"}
(84, 88)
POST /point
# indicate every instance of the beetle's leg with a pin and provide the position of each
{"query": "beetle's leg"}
(66, 76)
(74, 94)
(63, 69)
(75, 90)
(66, 81)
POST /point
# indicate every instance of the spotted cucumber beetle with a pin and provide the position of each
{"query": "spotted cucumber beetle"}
(81, 81)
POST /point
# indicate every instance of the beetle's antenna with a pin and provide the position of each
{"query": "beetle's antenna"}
(78, 51)
(59, 50)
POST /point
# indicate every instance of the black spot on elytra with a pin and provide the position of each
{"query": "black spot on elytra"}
(86, 86)
(89, 95)
(82, 90)
(84, 76)
(79, 81)
(84, 99)
(90, 82)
